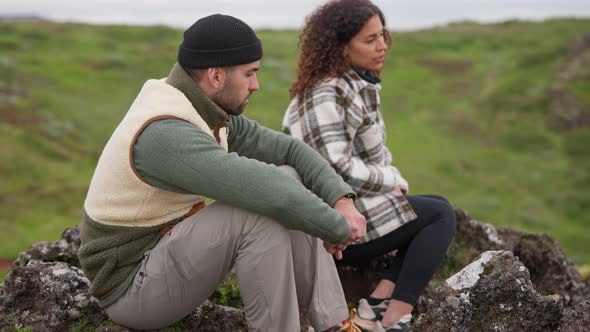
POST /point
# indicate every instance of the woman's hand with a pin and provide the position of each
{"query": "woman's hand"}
(400, 189)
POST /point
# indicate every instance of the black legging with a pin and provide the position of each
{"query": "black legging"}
(421, 245)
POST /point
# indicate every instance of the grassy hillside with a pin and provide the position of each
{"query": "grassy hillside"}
(467, 108)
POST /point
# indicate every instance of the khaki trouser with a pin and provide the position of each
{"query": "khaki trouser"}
(277, 269)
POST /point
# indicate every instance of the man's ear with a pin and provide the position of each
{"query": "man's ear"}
(216, 77)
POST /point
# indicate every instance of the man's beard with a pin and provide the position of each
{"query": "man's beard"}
(225, 99)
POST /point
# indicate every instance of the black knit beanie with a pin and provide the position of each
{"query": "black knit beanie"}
(218, 41)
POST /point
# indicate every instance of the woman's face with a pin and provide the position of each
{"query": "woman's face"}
(366, 50)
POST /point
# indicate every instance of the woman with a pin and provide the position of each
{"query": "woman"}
(335, 109)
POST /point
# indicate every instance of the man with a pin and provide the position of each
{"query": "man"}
(151, 248)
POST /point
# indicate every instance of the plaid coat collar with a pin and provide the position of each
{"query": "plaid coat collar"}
(358, 83)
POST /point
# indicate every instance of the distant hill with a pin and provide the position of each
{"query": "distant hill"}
(19, 17)
(490, 116)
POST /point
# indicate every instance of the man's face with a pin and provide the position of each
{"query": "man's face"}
(239, 83)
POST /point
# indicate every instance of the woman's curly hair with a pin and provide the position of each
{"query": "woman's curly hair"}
(322, 41)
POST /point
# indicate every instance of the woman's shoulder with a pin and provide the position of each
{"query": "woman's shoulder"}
(340, 90)
(340, 85)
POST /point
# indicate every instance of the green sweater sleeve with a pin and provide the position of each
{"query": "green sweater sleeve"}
(247, 138)
(175, 155)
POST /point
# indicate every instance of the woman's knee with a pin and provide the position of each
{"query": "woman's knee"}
(438, 197)
(449, 218)
(442, 211)
(433, 207)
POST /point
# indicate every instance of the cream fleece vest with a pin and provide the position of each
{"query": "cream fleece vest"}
(117, 194)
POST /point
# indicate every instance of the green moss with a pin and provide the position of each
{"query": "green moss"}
(177, 327)
(584, 271)
(9, 324)
(228, 293)
(83, 326)
(18, 328)
(487, 269)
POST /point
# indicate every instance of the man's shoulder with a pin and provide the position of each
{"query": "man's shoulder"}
(237, 119)
(242, 122)
(171, 128)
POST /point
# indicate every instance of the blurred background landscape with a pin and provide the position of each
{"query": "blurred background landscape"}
(496, 117)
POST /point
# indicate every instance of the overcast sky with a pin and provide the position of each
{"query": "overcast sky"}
(401, 14)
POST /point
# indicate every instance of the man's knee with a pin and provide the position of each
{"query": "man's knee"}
(263, 228)
(275, 229)
(241, 221)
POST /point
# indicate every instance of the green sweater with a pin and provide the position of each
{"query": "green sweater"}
(177, 156)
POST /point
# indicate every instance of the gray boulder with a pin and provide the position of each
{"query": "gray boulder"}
(551, 270)
(494, 293)
(210, 317)
(576, 319)
(64, 250)
(46, 290)
(48, 296)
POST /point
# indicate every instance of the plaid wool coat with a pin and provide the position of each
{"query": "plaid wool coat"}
(342, 120)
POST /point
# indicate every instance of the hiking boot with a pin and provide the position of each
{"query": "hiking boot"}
(403, 325)
(347, 325)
